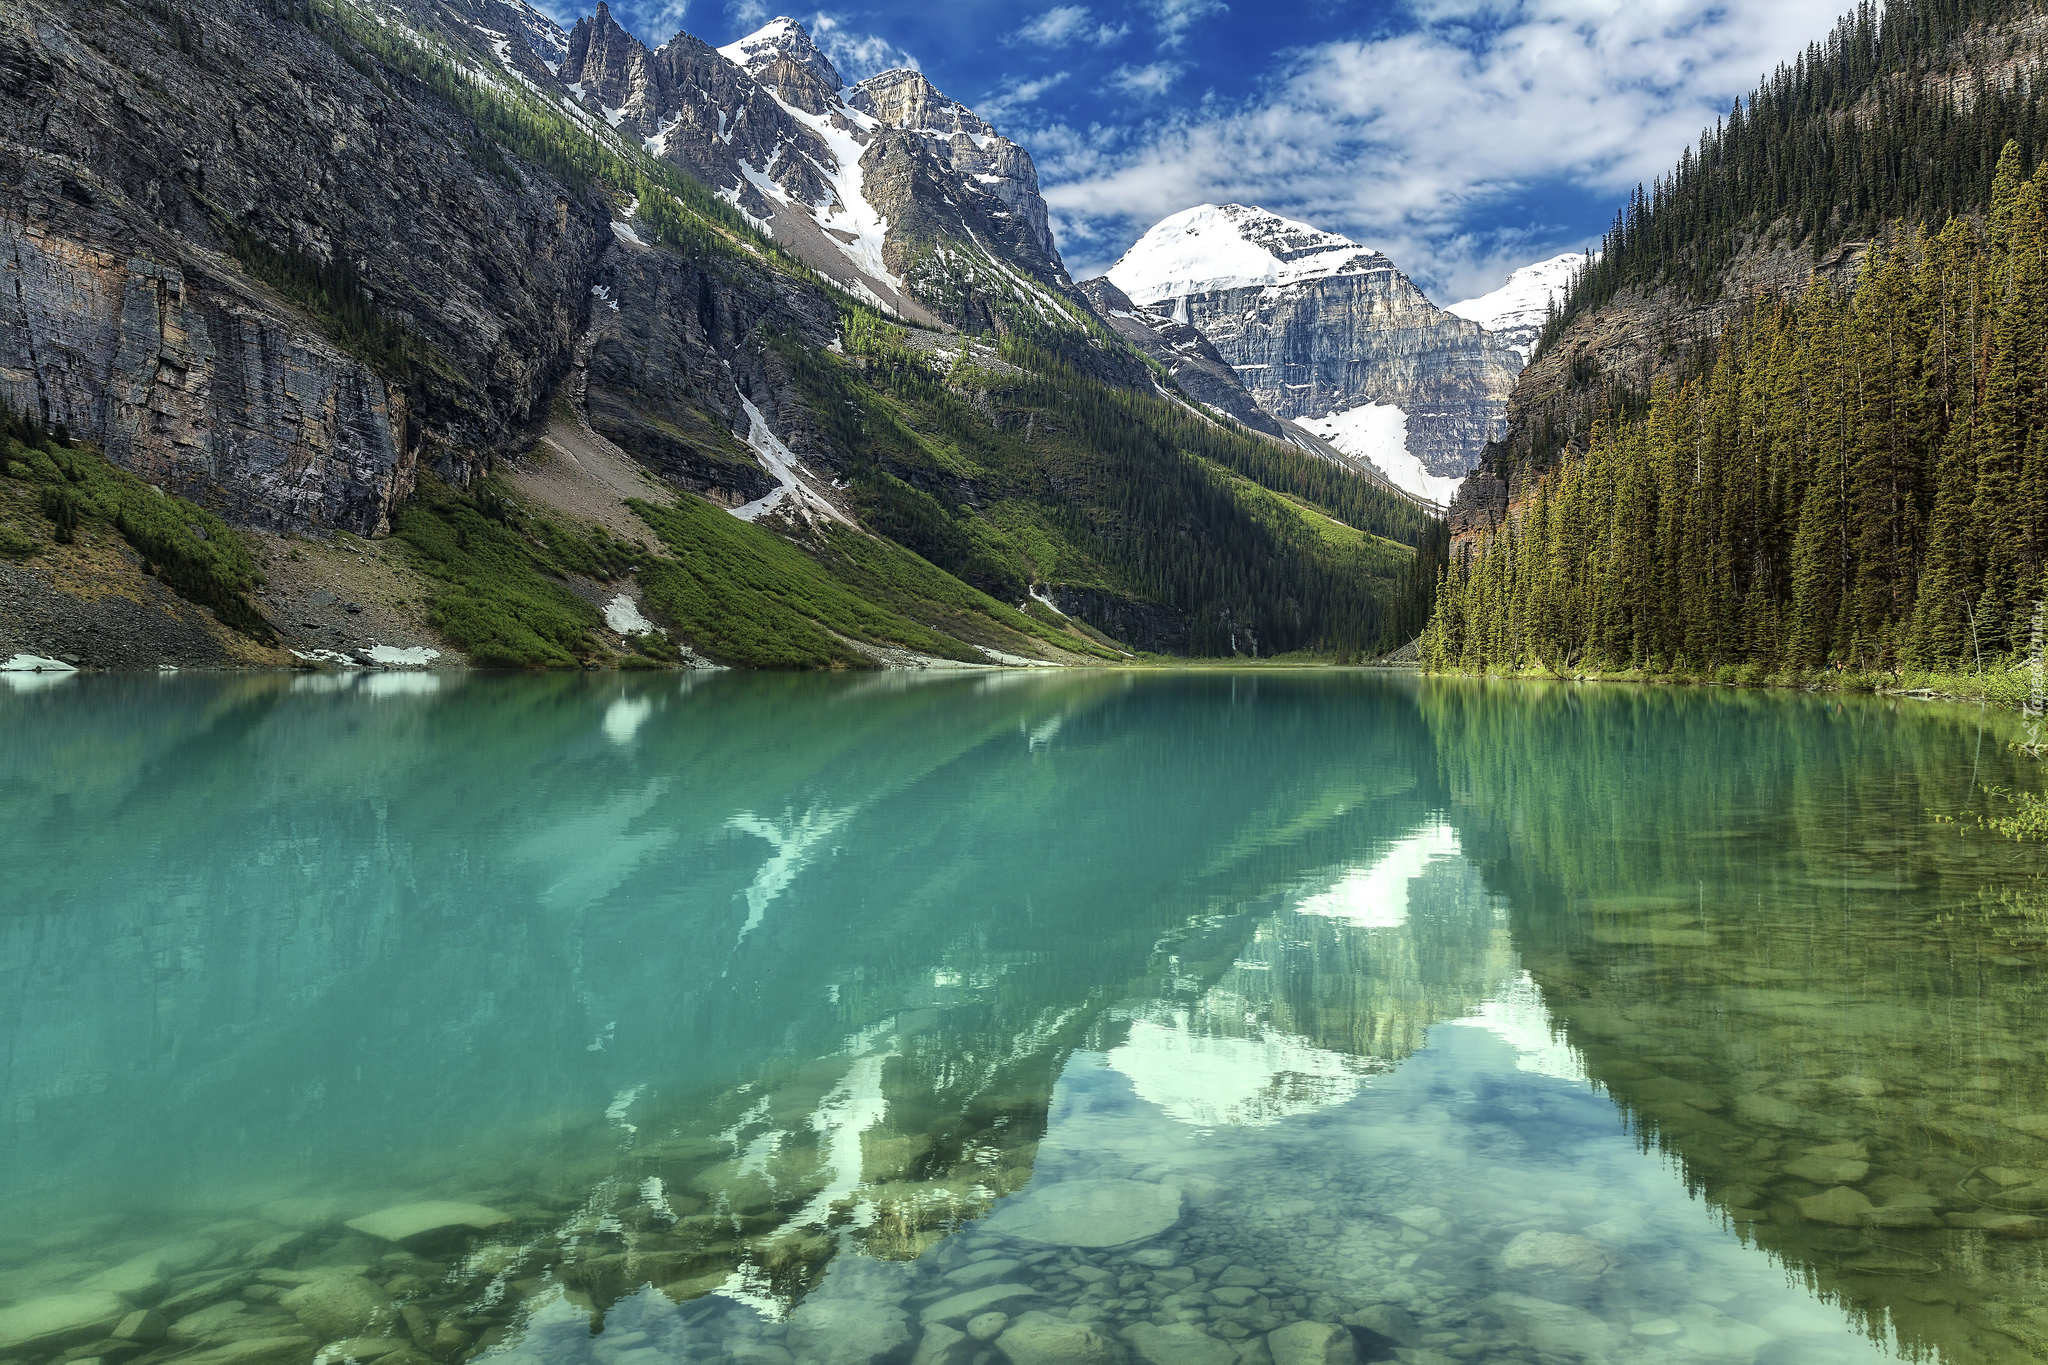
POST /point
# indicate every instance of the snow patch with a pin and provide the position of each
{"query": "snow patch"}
(780, 462)
(35, 663)
(622, 614)
(409, 656)
(1379, 432)
(624, 232)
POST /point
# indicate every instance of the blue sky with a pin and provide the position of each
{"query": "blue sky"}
(1462, 137)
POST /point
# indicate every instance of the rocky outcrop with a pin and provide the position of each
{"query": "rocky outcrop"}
(165, 170)
(1314, 324)
(1186, 354)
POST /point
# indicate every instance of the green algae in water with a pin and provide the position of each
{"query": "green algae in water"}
(1193, 1017)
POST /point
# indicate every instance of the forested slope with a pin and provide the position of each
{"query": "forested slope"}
(1845, 468)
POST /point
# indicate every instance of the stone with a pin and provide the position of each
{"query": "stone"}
(1234, 1295)
(138, 1275)
(255, 1351)
(1042, 1339)
(427, 1221)
(144, 1324)
(846, 1331)
(1311, 1343)
(1179, 1344)
(1556, 1328)
(1556, 1253)
(58, 1320)
(1389, 1321)
(1769, 1110)
(960, 1307)
(1244, 1275)
(2015, 1225)
(1407, 1355)
(1155, 1258)
(936, 1346)
(1431, 1221)
(337, 1306)
(981, 1272)
(1088, 1213)
(987, 1326)
(207, 1323)
(1841, 1206)
(1828, 1170)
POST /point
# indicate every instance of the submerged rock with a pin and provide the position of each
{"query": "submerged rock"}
(59, 1320)
(1556, 1253)
(1179, 1344)
(1556, 1328)
(846, 1331)
(1042, 1339)
(1089, 1213)
(336, 1306)
(1311, 1343)
(1841, 1206)
(960, 1307)
(255, 1351)
(429, 1220)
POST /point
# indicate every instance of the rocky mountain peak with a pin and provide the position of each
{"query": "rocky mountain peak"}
(1213, 247)
(781, 56)
(905, 99)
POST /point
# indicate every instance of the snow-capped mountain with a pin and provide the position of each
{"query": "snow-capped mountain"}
(1329, 333)
(888, 187)
(1517, 310)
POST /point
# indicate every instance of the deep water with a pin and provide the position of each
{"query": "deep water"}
(1018, 1017)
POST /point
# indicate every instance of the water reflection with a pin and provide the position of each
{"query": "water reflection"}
(722, 1013)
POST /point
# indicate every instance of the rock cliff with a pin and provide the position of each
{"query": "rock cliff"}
(1196, 365)
(1315, 324)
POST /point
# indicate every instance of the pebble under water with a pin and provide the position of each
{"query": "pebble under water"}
(1013, 1019)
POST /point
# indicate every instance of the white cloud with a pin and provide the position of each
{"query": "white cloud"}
(1155, 78)
(748, 15)
(1176, 17)
(857, 55)
(1064, 25)
(1404, 141)
(1014, 95)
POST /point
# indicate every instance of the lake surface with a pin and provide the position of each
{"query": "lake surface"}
(1205, 1017)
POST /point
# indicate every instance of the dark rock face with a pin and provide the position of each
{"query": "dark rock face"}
(134, 153)
(1147, 626)
(1194, 363)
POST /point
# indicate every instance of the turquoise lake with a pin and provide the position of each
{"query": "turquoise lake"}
(1205, 1017)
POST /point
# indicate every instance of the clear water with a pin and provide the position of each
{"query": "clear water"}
(1016, 1018)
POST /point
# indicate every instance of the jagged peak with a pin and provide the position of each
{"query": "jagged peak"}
(782, 39)
(905, 98)
(1234, 246)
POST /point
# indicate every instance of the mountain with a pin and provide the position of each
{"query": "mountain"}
(1517, 311)
(1794, 417)
(1322, 329)
(888, 188)
(368, 330)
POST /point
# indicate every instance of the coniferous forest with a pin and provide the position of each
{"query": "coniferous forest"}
(1859, 479)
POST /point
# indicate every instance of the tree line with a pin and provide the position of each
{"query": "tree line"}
(1859, 479)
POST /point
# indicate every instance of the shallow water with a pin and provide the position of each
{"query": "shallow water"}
(1205, 1017)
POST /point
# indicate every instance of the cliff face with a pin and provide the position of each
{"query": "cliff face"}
(145, 158)
(1315, 324)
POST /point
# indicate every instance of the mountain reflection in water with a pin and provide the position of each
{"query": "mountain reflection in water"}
(1453, 1021)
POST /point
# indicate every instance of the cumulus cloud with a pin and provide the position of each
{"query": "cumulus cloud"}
(1154, 78)
(1015, 96)
(1065, 25)
(1404, 141)
(857, 55)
